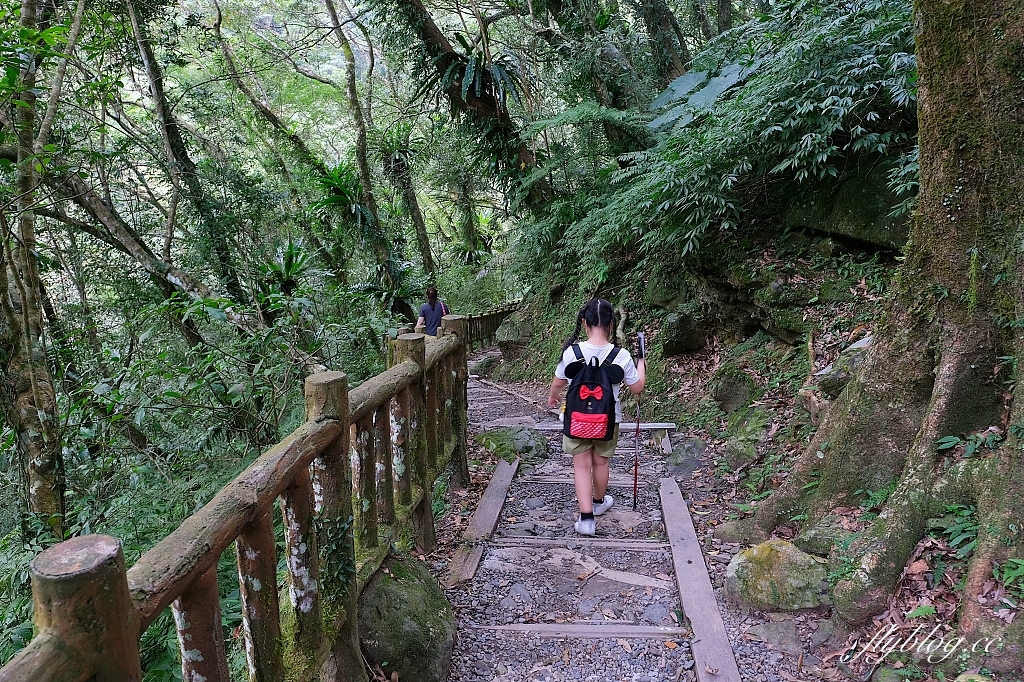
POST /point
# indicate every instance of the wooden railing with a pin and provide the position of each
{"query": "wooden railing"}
(351, 482)
(483, 326)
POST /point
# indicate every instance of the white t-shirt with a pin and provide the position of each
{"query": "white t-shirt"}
(623, 359)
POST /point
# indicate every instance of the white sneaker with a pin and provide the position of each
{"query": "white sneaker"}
(604, 506)
(586, 527)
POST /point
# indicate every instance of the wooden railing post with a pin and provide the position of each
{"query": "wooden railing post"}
(413, 347)
(385, 456)
(256, 551)
(200, 634)
(402, 450)
(366, 521)
(327, 398)
(303, 560)
(459, 325)
(81, 599)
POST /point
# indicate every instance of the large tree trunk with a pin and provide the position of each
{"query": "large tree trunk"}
(665, 39)
(724, 15)
(28, 397)
(934, 370)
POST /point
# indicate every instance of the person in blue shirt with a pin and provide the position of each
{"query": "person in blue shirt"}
(431, 312)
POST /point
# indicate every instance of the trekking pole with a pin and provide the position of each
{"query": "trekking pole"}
(636, 453)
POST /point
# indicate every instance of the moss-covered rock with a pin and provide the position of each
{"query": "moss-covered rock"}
(514, 334)
(514, 441)
(746, 431)
(406, 624)
(781, 293)
(887, 673)
(776, 576)
(857, 206)
(681, 332)
(833, 379)
(835, 290)
(787, 324)
(668, 289)
(820, 538)
(731, 388)
(685, 457)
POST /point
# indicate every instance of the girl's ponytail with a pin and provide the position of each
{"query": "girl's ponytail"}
(575, 336)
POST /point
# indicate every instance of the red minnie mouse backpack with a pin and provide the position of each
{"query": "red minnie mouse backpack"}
(590, 404)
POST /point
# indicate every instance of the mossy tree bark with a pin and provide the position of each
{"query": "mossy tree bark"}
(27, 394)
(665, 37)
(938, 366)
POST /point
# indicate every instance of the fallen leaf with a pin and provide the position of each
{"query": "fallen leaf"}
(671, 644)
(918, 567)
(662, 576)
(625, 645)
(709, 669)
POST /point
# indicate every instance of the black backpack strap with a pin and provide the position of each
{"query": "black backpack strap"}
(611, 356)
(577, 352)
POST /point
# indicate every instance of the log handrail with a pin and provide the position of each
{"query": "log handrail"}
(363, 463)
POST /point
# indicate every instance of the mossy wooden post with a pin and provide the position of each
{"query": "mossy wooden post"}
(302, 560)
(430, 399)
(81, 600)
(257, 582)
(200, 634)
(459, 325)
(327, 398)
(386, 477)
(413, 347)
(365, 446)
(402, 451)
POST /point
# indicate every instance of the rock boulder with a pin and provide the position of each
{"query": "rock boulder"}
(731, 388)
(833, 379)
(406, 624)
(776, 576)
(681, 332)
(515, 441)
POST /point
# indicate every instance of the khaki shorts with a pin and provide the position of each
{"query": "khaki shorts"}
(577, 446)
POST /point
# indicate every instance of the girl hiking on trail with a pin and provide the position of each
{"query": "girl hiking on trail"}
(431, 312)
(592, 416)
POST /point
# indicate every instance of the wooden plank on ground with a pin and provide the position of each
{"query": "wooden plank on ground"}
(711, 647)
(481, 525)
(573, 543)
(613, 481)
(644, 426)
(591, 630)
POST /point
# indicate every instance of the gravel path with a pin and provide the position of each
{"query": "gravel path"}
(573, 583)
(569, 582)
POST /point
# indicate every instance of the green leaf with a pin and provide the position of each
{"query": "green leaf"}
(947, 442)
(678, 88)
(922, 611)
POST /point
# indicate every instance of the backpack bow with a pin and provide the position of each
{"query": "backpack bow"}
(597, 393)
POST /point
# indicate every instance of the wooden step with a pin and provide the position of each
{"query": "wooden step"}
(574, 543)
(614, 481)
(644, 426)
(711, 647)
(481, 525)
(592, 630)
